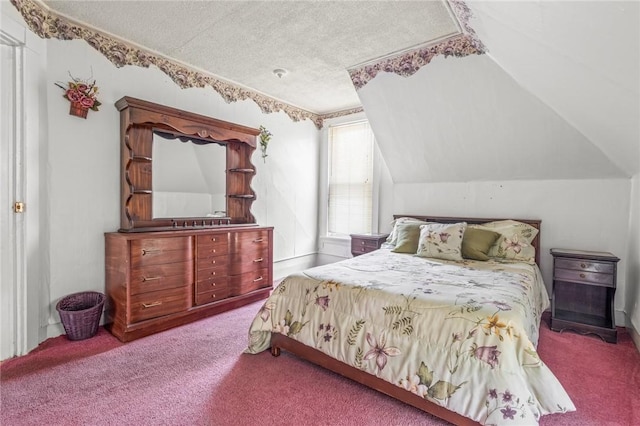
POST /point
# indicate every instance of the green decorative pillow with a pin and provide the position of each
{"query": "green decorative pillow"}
(441, 240)
(477, 241)
(514, 242)
(393, 236)
(407, 237)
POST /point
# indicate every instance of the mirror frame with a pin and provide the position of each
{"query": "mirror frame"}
(138, 121)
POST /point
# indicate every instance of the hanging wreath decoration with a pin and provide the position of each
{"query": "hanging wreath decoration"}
(83, 95)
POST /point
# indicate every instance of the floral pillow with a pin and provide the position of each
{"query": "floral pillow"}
(441, 240)
(514, 242)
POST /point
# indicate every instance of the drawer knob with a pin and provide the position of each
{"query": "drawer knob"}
(362, 242)
(213, 272)
(212, 251)
(257, 260)
(583, 276)
(258, 279)
(151, 305)
(214, 239)
(213, 296)
(582, 265)
(213, 262)
(145, 279)
(213, 284)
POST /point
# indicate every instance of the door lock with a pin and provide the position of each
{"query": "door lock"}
(18, 207)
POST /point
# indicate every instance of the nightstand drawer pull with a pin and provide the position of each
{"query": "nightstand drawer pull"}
(257, 260)
(582, 265)
(258, 240)
(583, 276)
(151, 305)
(258, 279)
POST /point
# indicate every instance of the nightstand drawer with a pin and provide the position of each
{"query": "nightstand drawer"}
(357, 243)
(583, 265)
(584, 277)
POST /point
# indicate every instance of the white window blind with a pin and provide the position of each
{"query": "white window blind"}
(350, 178)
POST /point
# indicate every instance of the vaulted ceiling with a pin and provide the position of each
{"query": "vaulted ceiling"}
(556, 96)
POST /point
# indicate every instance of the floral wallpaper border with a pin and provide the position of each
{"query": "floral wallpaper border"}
(406, 64)
(47, 24)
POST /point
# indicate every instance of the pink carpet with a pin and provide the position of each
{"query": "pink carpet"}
(197, 375)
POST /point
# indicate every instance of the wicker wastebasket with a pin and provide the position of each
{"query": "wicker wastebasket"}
(80, 314)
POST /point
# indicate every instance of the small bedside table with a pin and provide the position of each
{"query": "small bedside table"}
(364, 243)
(584, 285)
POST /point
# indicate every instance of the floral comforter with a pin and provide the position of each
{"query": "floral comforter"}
(462, 335)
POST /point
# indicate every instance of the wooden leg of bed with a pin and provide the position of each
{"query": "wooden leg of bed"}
(275, 351)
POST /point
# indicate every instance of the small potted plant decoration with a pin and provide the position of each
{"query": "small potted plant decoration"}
(82, 94)
(265, 137)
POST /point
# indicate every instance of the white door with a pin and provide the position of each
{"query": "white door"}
(11, 223)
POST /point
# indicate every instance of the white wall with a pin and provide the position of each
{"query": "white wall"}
(575, 214)
(83, 167)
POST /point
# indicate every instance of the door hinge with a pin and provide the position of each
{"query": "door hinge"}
(18, 207)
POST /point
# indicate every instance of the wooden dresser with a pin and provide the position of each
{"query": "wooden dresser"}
(159, 280)
(584, 286)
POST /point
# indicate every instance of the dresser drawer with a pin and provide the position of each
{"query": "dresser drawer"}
(251, 261)
(145, 306)
(154, 251)
(249, 281)
(161, 277)
(212, 296)
(212, 240)
(583, 277)
(212, 284)
(584, 265)
(207, 274)
(213, 262)
(249, 241)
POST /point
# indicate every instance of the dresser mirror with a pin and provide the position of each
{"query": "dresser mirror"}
(189, 177)
(181, 170)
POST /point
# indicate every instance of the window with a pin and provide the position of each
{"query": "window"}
(350, 178)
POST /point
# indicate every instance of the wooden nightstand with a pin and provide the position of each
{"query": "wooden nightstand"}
(584, 286)
(364, 243)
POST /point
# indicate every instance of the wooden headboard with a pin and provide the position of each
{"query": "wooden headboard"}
(479, 221)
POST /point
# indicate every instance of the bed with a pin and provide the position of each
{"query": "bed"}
(427, 322)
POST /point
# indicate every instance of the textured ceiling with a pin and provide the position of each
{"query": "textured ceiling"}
(244, 41)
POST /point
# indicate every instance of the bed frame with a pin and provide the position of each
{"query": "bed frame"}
(281, 342)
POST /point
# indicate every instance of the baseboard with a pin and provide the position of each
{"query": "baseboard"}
(635, 336)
